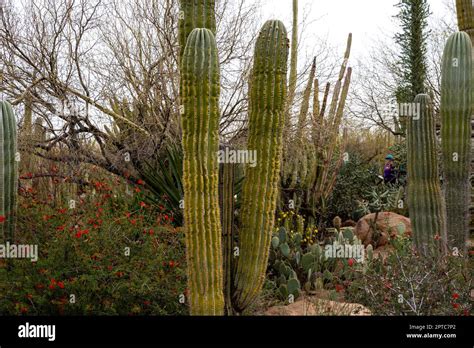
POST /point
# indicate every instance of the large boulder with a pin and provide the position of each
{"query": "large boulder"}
(388, 225)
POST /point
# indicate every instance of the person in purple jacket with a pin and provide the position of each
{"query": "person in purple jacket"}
(389, 173)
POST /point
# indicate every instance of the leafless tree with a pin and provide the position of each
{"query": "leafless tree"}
(103, 75)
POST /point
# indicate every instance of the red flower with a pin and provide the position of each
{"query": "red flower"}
(2, 218)
(133, 221)
(29, 296)
(60, 228)
(437, 237)
(142, 204)
(23, 309)
(351, 262)
(140, 182)
(171, 264)
(339, 288)
(137, 190)
(62, 211)
(61, 285)
(455, 305)
(146, 303)
(455, 296)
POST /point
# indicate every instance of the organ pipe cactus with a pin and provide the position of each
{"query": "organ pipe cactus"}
(456, 110)
(268, 89)
(226, 204)
(465, 14)
(195, 14)
(200, 122)
(8, 170)
(425, 200)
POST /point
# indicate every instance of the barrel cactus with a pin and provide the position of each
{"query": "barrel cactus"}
(200, 122)
(268, 86)
(8, 171)
(425, 200)
(456, 111)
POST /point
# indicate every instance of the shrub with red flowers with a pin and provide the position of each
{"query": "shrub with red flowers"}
(109, 253)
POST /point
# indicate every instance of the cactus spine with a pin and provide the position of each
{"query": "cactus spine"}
(8, 170)
(456, 110)
(425, 200)
(200, 98)
(268, 89)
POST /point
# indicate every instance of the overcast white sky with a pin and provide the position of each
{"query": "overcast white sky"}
(366, 19)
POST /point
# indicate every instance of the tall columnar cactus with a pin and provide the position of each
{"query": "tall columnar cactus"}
(226, 205)
(8, 170)
(195, 14)
(456, 110)
(425, 200)
(268, 90)
(200, 99)
(465, 14)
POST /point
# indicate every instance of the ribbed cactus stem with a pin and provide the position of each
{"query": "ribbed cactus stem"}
(260, 188)
(425, 200)
(200, 121)
(465, 14)
(456, 110)
(8, 171)
(195, 14)
(226, 204)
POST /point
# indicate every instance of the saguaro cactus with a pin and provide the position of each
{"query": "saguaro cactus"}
(456, 110)
(200, 122)
(8, 170)
(425, 200)
(465, 14)
(195, 14)
(268, 90)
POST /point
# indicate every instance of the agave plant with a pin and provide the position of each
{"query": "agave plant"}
(164, 180)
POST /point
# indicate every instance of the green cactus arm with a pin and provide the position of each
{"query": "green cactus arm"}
(200, 121)
(425, 200)
(305, 102)
(195, 14)
(294, 56)
(465, 15)
(8, 170)
(456, 112)
(260, 188)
